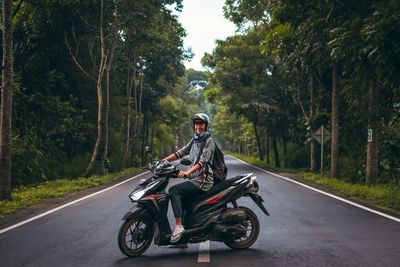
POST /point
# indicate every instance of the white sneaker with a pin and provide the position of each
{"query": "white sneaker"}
(177, 234)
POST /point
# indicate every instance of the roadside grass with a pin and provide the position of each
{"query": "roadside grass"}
(384, 196)
(31, 195)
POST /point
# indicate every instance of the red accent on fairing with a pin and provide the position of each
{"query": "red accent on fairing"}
(152, 196)
(215, 200)
(153, 199)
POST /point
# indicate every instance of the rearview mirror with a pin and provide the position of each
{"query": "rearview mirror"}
(148, 150)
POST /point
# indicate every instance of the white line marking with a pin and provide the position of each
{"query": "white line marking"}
(324, 193)
(2, 231)
(204, 252)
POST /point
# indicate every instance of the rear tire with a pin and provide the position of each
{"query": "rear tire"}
(253, 230)
(135, 236)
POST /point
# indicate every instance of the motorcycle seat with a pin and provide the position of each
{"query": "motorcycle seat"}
(215, 189)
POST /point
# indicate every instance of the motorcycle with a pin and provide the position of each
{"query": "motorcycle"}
(213, 215)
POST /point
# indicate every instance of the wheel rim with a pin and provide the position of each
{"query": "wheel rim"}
(135, 236)
(251, 235)
(249, 232)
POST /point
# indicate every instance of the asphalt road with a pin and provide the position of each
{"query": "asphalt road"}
(305, 228)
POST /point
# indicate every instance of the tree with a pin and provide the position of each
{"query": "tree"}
(6, 102)
(107, 38)
(334, 123)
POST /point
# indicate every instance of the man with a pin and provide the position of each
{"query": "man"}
(200, 150)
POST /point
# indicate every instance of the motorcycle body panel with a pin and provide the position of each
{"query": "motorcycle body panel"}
(206, 217)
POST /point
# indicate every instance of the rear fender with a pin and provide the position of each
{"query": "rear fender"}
(258, 200)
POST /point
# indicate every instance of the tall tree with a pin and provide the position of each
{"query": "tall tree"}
(335, 123)
(107, 36)
(6, 102)
(108, 66)
(100, 74)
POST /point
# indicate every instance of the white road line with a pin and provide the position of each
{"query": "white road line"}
(324, 193)
(204, 252)
(2, 231)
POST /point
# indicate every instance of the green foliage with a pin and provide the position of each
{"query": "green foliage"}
(298, 158)
(277, 74)
(241, 12)
(260, 78)
(390, 153)
(26, 162)
(233, 132)
(54, 114)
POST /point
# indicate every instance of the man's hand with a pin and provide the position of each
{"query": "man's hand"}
(183, 174)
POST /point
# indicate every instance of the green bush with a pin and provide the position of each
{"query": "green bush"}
(298, 158)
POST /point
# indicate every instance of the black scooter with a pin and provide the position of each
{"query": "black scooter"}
(206, 216)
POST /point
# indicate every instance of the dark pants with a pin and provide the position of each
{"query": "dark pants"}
(179, 191)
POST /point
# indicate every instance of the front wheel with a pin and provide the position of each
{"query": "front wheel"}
(135, 236)
(253, 229)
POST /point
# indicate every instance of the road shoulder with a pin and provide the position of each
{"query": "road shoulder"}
(52, 203)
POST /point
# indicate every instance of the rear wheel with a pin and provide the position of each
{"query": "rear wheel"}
(135, 236)
(253, 229)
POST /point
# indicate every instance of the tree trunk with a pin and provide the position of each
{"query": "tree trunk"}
(6, 102)
(276, 153)
(144, 138)
(313, 156)
(372, 147)
(335, 124)
(268, 150)
(99, 97)
(152, 139)
(285, 151)
(135, 99)
(260, 153)
(128, 108)
(138, 109)
(106, 117)
(313, 150)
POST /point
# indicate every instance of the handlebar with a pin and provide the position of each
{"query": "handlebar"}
(165, 168)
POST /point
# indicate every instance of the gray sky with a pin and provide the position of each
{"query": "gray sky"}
(204, 23)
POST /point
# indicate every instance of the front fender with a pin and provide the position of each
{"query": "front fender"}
(136, 211)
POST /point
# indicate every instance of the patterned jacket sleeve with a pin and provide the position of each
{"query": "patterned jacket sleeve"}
(208, 153)
(184, 150)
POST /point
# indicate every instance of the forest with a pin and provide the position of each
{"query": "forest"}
(298, 65)
(95, 82)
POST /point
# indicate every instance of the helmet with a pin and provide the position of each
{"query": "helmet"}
(201, 117)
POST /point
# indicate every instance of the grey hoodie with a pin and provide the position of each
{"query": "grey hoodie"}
(203, 177)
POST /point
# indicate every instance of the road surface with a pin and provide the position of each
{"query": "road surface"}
(305, 228)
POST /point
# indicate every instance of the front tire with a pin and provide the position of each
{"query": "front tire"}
(135, 236)
(253, 230)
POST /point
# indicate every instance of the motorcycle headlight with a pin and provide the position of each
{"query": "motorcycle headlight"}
(135, 196)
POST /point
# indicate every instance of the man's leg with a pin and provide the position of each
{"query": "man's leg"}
(177, 192)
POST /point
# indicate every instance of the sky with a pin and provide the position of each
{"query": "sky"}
(204, 23)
